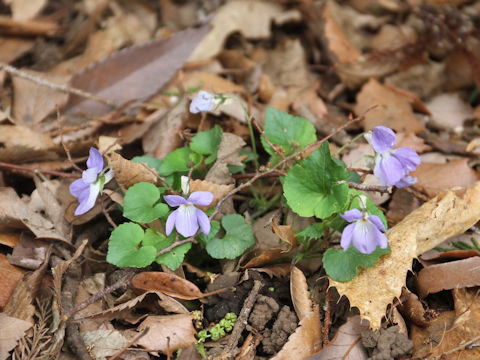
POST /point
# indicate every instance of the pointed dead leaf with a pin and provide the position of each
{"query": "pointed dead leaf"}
(300, 294)
(433, 178)
(346, 344)
(169, 284)
(391, 110)
(167, 333)
(135, 73)
(10, 275)
(128, 173)
(305, 341)
(13, 329)
(449, 111)
(218, 191)
(440, 218)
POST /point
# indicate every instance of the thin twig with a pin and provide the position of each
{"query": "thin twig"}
(327, 318)
(461, 346)
(64, 88)
(277, 148)
(130, 343)
(162, 179)
(107, 215)
(97, 296)
(36, 171)
(280, 163)
(176, 244)
(69, 157)
(251, 175)
(365, 187)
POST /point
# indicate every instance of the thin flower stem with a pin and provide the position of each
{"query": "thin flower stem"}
(162, 179)
(348, 144)
(75, 166)
(191, 239)
(36, 171)
(278, 150)
(259, 175)
(364, 187)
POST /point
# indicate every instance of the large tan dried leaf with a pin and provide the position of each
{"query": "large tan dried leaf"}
(444, 216)
(169, 284)
(128, 173)
(299, 292)
(218, 191)
(22, 144)
(449, 111)
(346, 344)
(250, 18)
(12, 330)
(26, 9)
(10, 275)
(433, 178)
(12, 48)
(103, 343)
(339, 45)
(305, 341)
(167, 333)
(392, 110)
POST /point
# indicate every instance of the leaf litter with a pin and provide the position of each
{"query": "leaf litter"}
(122, 76)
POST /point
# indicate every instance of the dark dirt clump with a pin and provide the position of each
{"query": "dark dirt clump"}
(282, 328)
(386, 344)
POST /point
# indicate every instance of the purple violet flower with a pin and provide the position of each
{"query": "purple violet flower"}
(204, 101)
(91, 184)
(392, 166)
(187, 217)
(365, 232)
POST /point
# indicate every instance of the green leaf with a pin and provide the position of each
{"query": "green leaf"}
(207, 143)
(141, 203)
(288, 131)
(176, 161)
(214, 229)
(152, 162)
(124, 249)
(314, 231)
(310, 188)
(345, 265)
(174, 258)
(239, 237)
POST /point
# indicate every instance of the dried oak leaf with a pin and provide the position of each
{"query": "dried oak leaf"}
(444, 216)
(128, 173)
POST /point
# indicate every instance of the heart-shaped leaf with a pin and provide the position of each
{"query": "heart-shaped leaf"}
(141, 203)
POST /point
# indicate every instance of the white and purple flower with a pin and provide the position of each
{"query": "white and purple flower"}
(187, 217)
(392, 166)
(204, 101)
(366, 232)
(91, 184)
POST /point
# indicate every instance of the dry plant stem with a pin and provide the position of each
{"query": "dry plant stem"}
(364, 187)
(97, 296)
(360, 170)
(64, 88)
(251, 175)
(69, 157)
(242, 319)
(280, 163)
(162, 179)
(177, 243)
(278, 150)
(36, 171)
(461, 346)
(107, 215)
(327, 321)
(130, 343)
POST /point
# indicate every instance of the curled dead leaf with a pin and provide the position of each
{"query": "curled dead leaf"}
(128, 173)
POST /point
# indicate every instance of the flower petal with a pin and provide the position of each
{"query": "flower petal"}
(89, 176)
(88, 203)
(108, 176)
(352, 215)
(347, 236)
(78, 187)
(380, 238)
(383, 138)
(388, 170)
(95, 160)
(406, 181)
(407, 157)
(170, 222)
(186, 221)
(375, 220)
(201, 198)
(175, 200)
(364, 238)
(203, 221)
(204, 101)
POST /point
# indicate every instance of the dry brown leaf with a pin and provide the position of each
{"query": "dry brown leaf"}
(28, 254)
(169, 284)
(433, 178)
(450, 330)
(412, 141)
(440, 218)
(411, 97)
(218, 191)
(103, 343)
(353, 75)
(391, 37)
(412, 308)
(128, 173)
(13, 48)
(279, 270)
(26, 9)
(127, 75)
(251, 18)
(305, 341)
(300, 294)
(167, 333)
(391, 110)
(346, 344)
(13, 329)
(344, 52)
(403, 203)
(10, 275)
(449, 275)
(22, 144)
(8, 238)
(449, 111)
(210, 82)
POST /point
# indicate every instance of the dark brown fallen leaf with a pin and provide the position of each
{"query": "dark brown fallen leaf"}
(450, 275)
(412, 309)
(169, 284)
(135, 73)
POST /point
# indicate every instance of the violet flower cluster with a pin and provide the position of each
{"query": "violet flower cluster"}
(187, 218)
(366, 232)
(392, 166)
(91, 184)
